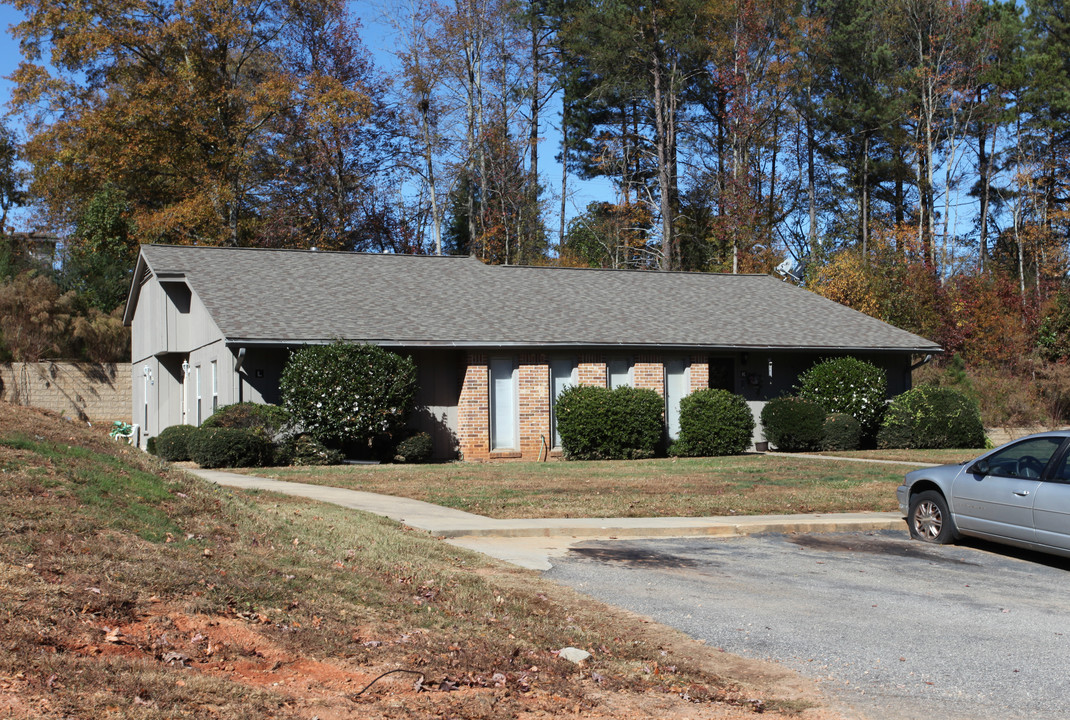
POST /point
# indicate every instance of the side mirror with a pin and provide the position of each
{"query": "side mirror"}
(980, 467)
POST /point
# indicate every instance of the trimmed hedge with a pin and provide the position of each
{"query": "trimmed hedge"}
(229, 447)
(173, 442)
(932, 417)
(713, 422)
(842, 432)
(793, 424)
(414, 449)
(847, 385)
(596, 423)
(249, 415)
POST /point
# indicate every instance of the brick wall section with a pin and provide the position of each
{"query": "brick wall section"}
(97, 392)
(533, 375)
(592, 370)
(473, 410)
(648, 372)
(534, 393)
(700, 373)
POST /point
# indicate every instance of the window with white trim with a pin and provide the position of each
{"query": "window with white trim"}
(564, 373)
(215, 386)
(197, 386)
(504, 415)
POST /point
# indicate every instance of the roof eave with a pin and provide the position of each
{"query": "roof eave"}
(498, 344)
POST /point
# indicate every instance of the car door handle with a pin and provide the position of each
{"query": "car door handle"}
(1021, 493)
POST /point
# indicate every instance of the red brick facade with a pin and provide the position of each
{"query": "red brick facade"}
(533, 398)
(473, 410)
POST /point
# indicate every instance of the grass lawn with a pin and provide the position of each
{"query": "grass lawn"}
(741, 485)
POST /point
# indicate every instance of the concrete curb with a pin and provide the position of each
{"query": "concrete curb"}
(675, 526)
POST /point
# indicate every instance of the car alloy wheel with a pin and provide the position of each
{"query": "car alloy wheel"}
(930, 520)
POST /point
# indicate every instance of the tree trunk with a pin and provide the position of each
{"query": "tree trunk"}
(865, 200)
(986, 186)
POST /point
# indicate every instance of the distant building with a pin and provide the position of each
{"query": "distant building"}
(37, 245)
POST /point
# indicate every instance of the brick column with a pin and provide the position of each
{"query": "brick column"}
(649, 372)
(700, 373)
(534, 394)
(592, 370)
(473, 409)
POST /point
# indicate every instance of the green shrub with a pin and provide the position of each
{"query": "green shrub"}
(932, 417)
(713, 422)
(303, 449)
(414, 449)
(343, 393)
(842, 432)
(229, 447)
(249, 415)
(150, 446)
(792, 424)
(596, 423)
(847, 385)
(173, 442)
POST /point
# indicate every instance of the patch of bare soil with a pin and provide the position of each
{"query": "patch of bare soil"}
(239, 651)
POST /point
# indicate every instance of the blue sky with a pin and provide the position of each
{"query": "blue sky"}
(376, 37)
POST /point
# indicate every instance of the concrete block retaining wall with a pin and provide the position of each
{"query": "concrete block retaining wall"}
(97, 392)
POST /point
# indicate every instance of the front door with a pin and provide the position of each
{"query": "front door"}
(1051, 508)
(999, 502)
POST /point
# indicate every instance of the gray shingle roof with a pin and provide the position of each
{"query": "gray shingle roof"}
(286, 296)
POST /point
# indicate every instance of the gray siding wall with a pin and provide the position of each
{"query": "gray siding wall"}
(171, 325)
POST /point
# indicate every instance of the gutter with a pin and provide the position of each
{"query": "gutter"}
(491, 345)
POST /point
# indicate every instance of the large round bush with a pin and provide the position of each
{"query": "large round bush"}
(229, 447)
(270, 419)
(793, 424)
(173, 442)
(847, 385)
(596, 423)
(842, 432)
(713, 422)
(932, 417)
(342, 393)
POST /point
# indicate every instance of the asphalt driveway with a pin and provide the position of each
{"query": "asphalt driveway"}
(892, 629)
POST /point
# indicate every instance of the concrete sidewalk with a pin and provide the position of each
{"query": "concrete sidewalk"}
(531, 542)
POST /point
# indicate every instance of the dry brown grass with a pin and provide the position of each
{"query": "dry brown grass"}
(739, 485)
(137, 592)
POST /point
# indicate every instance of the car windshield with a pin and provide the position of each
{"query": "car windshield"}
(1026, 459)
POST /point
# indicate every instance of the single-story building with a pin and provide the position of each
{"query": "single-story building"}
(494, 345)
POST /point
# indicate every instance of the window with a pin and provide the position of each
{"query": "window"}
(619, 372)
(503, 404)
(215, 386)
(1026, 459)
(676, 387)
(197, 385)
(563, 374)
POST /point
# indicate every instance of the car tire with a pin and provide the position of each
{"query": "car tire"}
(929, 519)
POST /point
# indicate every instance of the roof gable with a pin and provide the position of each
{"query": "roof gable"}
(295, 296)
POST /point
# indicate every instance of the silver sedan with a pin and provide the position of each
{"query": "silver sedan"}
(1017, 494)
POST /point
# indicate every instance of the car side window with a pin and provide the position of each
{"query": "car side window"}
(1026, 459)
(1061, 472)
